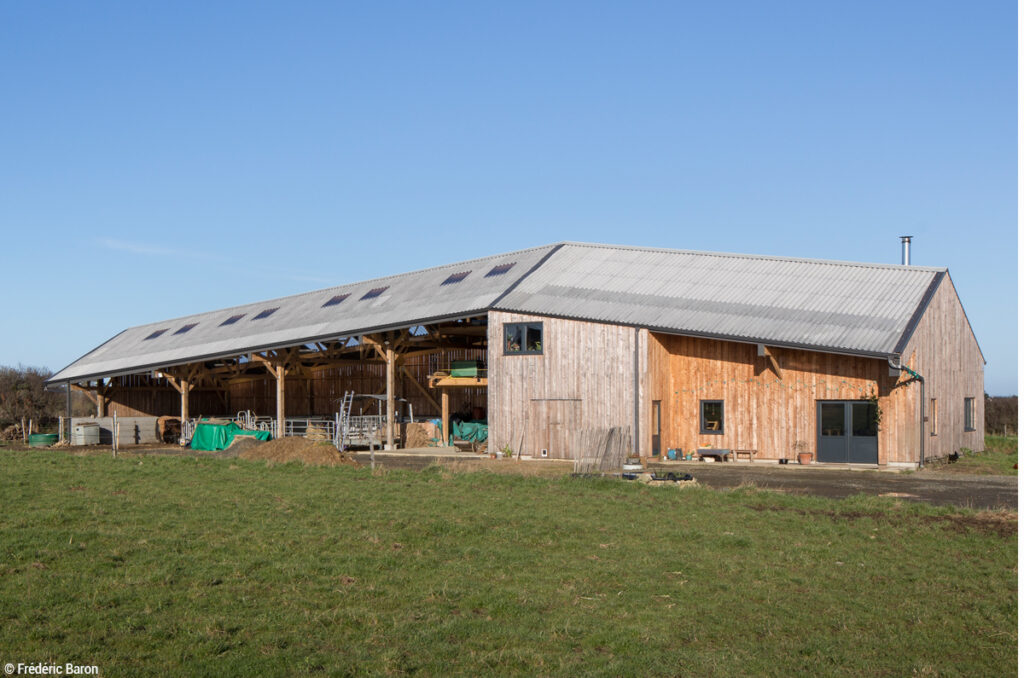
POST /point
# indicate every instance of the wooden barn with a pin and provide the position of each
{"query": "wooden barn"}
(853, 363)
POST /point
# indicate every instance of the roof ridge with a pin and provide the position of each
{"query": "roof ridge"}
(765, 257)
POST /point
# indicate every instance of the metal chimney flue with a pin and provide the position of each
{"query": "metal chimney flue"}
(905, 239)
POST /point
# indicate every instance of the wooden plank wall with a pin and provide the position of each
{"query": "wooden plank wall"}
(583, 379)
(316, 395)
(764, 410)
(944, 350)
(137, 395)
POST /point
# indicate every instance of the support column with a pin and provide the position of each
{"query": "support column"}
(101, 403)
(184, 389)
(279, 374)
(390, 421)
(444, 416)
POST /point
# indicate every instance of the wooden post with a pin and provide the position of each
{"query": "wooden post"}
(390, 421)
(279, 373)
(444, 416)
(184, 389)
(101, 404)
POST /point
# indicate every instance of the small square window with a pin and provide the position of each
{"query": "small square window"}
(233, 319)
(712, 417)
(155, 334)
(185, 328)
(500, 269)
(968, 414)
(265, 313)
(524, 338)
(456, 277)
(335, 300)
(375, 292)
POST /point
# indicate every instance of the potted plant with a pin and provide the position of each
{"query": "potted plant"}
(803, 454)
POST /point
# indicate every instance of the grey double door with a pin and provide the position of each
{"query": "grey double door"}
(847, 432)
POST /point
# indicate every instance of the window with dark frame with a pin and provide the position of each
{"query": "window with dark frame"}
(185, 328)
(524, 338)
(933, 417)
(155, 334)
(968, 414)
(712, 417)
(233, 319)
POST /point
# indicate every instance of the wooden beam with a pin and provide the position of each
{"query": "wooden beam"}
(445, 415)
(424, 392)
(279, 374)
(390, 421)
(438, 381)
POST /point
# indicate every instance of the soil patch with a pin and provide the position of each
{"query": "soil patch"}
(283, 450)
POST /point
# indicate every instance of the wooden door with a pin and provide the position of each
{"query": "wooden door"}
(554, 426)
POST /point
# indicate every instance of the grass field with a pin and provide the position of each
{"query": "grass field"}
(182, 566)
(998, 458)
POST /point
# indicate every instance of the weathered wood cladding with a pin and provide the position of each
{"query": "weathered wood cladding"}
(765, 410)
(583, 379)
(944, 351)
(314, 393)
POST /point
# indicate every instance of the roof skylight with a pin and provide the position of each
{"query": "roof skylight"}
(265, 313)
(500, 269)
(233, 319)
(335, 300)
(155, 334)
(456, 277)
(185, 328)
(375, 292)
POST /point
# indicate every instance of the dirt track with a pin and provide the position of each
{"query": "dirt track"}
(981, 492)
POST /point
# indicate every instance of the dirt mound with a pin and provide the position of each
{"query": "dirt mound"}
(309, 452)
(241, 444)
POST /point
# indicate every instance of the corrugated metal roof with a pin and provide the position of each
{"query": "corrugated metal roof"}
(406, 299)
(825, 305)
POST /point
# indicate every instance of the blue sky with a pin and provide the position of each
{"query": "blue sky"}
(160, 159)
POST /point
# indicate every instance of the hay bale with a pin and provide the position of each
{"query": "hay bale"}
(420, 434)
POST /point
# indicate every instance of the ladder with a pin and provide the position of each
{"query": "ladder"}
(341, 425)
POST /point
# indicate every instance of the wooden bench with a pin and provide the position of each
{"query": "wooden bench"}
(750, 454)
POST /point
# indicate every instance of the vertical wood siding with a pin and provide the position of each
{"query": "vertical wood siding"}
(584, 379)
(943, 349)
(316, 395)
(765, 411)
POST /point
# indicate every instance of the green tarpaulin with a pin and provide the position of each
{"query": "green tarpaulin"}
(212, 437)
(473, 431)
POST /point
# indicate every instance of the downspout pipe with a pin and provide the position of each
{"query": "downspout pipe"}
(898, 365)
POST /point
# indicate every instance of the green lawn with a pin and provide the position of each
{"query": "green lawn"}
(180, 566)
(998, 458)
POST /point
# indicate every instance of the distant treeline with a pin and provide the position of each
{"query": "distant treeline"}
(1000, 414)
(23, 396)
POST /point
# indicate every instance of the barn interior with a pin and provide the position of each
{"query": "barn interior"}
(363, 390)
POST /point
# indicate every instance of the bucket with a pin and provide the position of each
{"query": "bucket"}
(672, 455)
(42, 439)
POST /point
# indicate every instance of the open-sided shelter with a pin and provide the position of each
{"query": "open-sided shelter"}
(854, 362)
